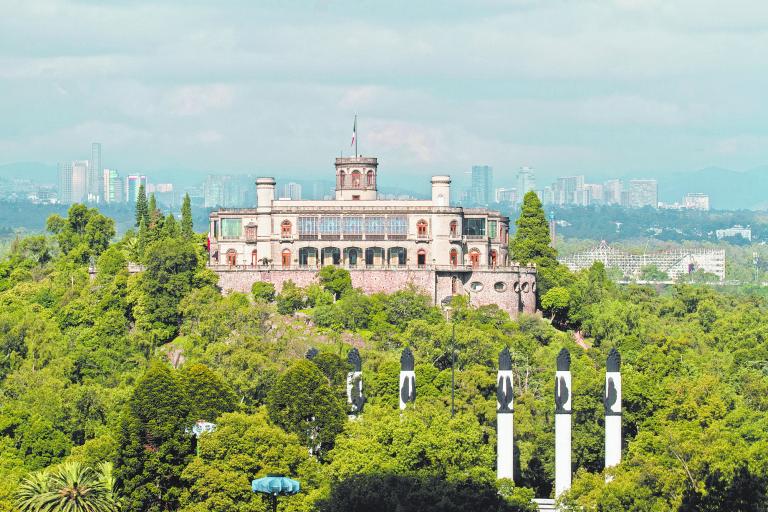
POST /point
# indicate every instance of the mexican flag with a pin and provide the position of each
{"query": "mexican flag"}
(354, 133)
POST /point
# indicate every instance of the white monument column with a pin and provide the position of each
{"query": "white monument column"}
(505, 447)
(407, 378)
(612, 409)
(355, 396)
(563, 423)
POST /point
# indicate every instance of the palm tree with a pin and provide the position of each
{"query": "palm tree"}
(69, 487)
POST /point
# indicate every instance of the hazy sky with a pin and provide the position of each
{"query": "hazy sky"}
(597, 87)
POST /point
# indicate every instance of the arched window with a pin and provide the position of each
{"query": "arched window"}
(493, 258)
(231, 257)
(356, 179)
(286, 260)
(421, 228)
(254, 258)
(370, 179)
(454, 226)
(454, 257)
(474, 258)
(342, 179)
(285, 229)
(421, 258)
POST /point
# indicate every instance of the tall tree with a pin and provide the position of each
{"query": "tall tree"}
(302, 402)
(531, 241)
(153, 445)
(187, 229)
(142, 208)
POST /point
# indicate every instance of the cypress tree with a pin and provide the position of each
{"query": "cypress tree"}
(531, 241)
(187, 229)
(142, 209)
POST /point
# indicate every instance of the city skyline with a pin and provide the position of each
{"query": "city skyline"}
(568, 89)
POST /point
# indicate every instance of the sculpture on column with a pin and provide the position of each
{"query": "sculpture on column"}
(612, 404)
(407, 378)
(563, 395)
(505, 448)
(355, 395)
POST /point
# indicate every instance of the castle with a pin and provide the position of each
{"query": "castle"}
(385, 244)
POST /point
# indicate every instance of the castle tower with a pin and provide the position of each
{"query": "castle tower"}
(356, 178)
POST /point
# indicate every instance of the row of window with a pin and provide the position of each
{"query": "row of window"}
(356, 179)
(353, 225)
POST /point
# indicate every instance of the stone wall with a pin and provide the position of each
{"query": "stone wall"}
(513, 290)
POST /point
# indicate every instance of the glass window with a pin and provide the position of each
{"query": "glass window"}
(215, 229)
(492, 229)
(374, 225)
(353, 225)
(231, 228)
(474, 227)
(398, 225)
(307, 225)
(330, 225)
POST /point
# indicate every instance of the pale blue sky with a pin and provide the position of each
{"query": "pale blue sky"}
(599, 87)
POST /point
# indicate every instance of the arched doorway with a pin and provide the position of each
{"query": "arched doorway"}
(374, 256)
(352, 256)
(421, 258)
(254, 258)
(474, 258)
(421, 228)
(493, 258)
(454, 258)
(308, 257)
(330, 256)
(231, 257)
(397, 256)
(286, 258)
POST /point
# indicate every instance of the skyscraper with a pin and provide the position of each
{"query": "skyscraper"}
(526, 181)
(73, 178)
(643, 193)
(482, 184)
(132, 184)
(612, 192)
(95, 184)
(291, 190)
(112, 186)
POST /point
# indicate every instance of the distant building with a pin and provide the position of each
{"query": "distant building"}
(160, 188)
(292, 191)
(526, 181)
(506, 195)
(95, 181)
(73, 182)
(696, 201)
(132, 184)
(643, 193)
(612, 192)
(112, 186)
(482, 184)
(595, 191)
(737, 230)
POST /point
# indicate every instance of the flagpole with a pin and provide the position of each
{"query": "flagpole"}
(356, 153)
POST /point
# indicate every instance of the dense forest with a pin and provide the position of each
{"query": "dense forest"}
(102, 377)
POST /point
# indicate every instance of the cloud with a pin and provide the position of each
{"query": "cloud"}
(199, 99)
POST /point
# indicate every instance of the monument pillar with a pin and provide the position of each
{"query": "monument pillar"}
(612, 409)
(563, 423)
(407, 378)
(505, 448)
(355, 396)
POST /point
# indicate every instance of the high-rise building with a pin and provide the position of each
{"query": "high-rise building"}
(291, 190)
(73, 177)
(482, 184)
(526, 181)
(696, 201)
(112, 186)
(612, 192)
(506, 195)
(132, 184)
(595, 193)
(95, 178)
(643, 193)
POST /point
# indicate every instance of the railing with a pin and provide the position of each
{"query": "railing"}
(364, 266)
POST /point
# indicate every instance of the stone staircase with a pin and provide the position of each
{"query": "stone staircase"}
(545, 504)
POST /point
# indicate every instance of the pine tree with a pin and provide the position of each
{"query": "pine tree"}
(187, 229)
(531, 241)
(170, 227)
(142, 209)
